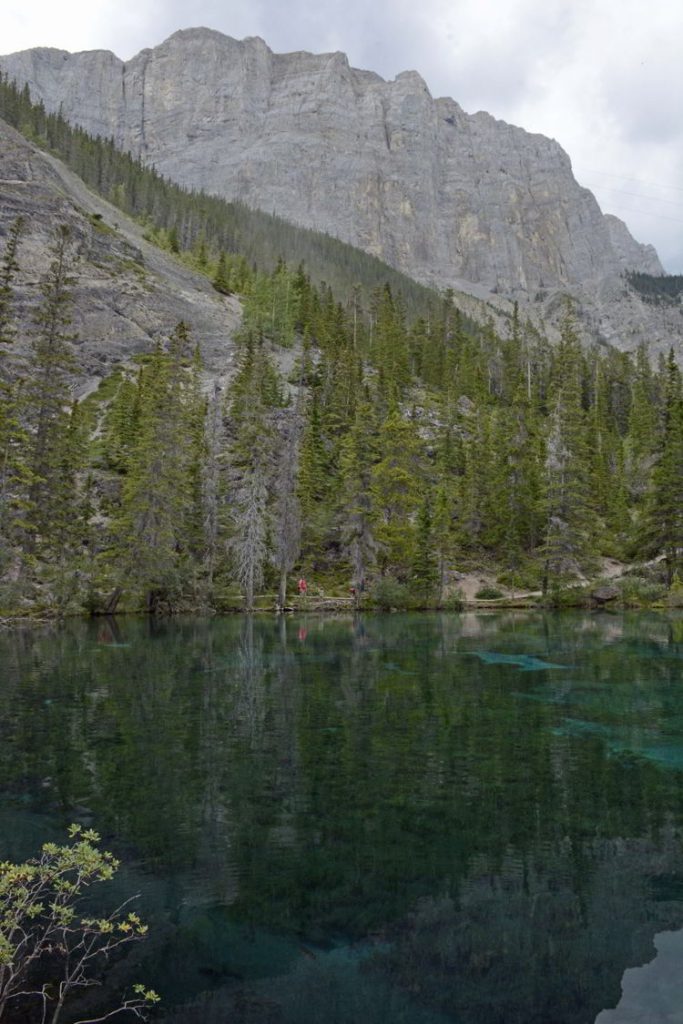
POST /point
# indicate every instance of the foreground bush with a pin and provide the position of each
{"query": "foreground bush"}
(47, 950)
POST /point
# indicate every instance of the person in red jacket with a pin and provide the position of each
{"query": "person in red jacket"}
(303, 587)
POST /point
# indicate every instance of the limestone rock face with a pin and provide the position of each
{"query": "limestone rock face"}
(447, 197)
(128, 295)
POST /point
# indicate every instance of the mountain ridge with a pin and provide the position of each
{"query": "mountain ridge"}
(449, 198)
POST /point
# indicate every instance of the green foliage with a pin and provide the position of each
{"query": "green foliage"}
(662, 527)
(8, 270)
(453, 602)
(425, 565)
(155, 528)
(388, 594)
(488, 593)
(48, 951)
(636, 592)
(674, 598)
(569, 541)
(395, 493)
(656, 288)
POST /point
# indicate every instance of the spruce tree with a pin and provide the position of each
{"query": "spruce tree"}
(154, 528)
(256, 393)
(8, 269)
(663, 527)
(395, 492)
(14, 475)
(354, 514)
(425, 567)
(286, 507)
(48, 396)
(221, 280)
(569, 531)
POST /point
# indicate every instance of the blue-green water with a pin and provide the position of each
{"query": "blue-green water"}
(405, 819)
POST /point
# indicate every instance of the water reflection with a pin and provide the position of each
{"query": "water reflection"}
(411, 818)
(654, 992)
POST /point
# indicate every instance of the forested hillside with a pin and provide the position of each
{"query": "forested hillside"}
(381, 444)
(392, 456)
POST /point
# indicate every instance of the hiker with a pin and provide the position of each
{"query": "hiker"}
(303, 587)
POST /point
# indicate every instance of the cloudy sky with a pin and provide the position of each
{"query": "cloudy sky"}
(603, 77)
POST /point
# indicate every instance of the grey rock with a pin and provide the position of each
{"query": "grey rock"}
(128, 294)
(605, 594)
(454, 200)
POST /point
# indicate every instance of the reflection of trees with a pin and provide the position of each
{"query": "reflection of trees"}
(532, 942)
(373, 776)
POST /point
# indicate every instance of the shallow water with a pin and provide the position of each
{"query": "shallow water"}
(410, 819)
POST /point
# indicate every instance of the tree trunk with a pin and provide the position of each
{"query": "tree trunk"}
(111, 605)
(282, 591)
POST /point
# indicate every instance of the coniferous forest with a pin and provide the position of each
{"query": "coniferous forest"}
(372, 439)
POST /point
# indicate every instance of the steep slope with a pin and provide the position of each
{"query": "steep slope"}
(444, 196)
(129, 294)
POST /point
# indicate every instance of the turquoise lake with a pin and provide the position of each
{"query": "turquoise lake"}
(406, 819)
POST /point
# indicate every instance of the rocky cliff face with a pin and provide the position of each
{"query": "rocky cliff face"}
(450, 198)
(128, 294)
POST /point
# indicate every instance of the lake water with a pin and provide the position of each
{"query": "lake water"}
(413, 819)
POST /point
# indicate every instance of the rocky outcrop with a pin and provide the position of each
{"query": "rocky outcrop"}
(450, 198)
(128, 293)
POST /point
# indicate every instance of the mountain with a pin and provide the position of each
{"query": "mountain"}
(128, 294)
(452, 199)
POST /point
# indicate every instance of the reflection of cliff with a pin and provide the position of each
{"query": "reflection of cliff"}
(533, 943)
(541, 940)
(654, 992)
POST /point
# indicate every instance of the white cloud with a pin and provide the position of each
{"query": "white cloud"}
(603, 77)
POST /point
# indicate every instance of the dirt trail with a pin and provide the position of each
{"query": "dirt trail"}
(470, 583)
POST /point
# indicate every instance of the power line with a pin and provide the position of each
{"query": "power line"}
(640, 195)
(627, 177)
(651, 213)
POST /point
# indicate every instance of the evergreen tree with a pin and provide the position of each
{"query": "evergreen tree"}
(395, 490)
(569, 534)
(48, 390)
(357, 457)
(256, 392)
(313, 485)
(8, 270)
(154, 526)
(287, 512)
(643, 428)
(663, 527)
(425, 567)
(221, 280)
(14, 475)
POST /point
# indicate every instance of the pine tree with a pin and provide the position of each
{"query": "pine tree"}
(643, 432)
(48, 389)
(442, 532)
(221, 280)
(155, 523)
(357, 457)
(256, 392)
(8, 270)
(14, 475)
(313, 485)
(286, 509)
(395, 490)
(425, 567)
(569, 534)
(212, 486)
(121, 424)
(663, 527)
